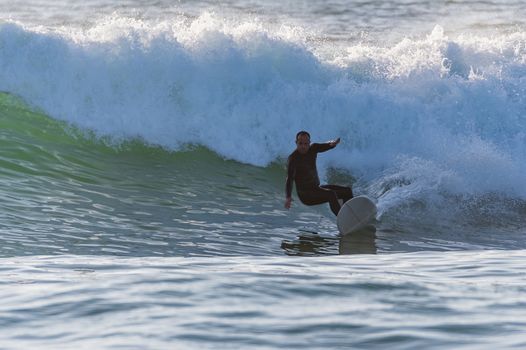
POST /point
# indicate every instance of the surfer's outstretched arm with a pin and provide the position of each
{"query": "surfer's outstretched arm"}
(333, 143)
(324, 147)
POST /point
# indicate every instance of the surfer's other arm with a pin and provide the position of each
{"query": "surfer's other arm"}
(291, 169)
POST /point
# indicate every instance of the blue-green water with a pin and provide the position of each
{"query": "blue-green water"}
(142, 174)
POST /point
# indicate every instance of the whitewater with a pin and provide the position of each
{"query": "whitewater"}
(143, 148)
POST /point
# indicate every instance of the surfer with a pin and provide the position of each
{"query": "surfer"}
(301, 167)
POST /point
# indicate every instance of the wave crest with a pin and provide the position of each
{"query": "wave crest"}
(244, 89)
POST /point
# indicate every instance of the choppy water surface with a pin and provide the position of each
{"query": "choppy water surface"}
(436, 300)
(339, 20)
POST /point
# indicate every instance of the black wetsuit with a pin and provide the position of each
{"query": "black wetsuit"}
(302, 169)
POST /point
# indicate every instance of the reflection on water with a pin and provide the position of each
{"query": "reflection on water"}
(359, 242)
(310, 243)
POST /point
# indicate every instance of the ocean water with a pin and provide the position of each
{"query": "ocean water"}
(142, 171)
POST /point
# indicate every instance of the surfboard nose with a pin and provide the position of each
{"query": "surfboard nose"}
(355, 214)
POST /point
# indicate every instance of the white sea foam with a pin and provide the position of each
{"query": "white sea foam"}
(427, 115)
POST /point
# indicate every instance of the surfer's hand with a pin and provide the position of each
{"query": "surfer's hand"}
(288, 202)
(333, 143)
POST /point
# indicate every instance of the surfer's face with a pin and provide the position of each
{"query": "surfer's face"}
(303, 143)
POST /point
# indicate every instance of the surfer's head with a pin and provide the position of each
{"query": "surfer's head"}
(302, 141)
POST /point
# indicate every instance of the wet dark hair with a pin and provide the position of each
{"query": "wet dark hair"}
(302, 132)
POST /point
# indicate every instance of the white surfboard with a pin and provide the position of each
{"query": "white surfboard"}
(355, 214)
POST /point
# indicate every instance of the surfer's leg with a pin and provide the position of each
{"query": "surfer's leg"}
(342, 192)
(320, 195)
